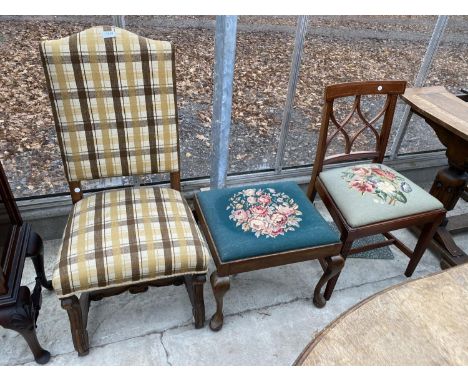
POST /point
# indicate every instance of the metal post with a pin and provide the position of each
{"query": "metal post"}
(225, 52)
(426, 63)
(301, 30)
(119, 21)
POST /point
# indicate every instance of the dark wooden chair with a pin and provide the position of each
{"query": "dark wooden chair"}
(368, 199)
(263, 226)
(113, 97)
(19, 308)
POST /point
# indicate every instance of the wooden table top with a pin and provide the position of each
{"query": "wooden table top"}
(440, 106)
(419, 322)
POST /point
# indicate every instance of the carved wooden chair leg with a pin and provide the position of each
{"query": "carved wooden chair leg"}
(427, 233)
(194, 285)
(334, 266)
(77, 313)
(36, 252)
(332, 282)
(220, 286)
(21, 318)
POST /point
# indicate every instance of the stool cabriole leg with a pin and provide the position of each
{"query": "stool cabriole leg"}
(334, 266)
(220, 286)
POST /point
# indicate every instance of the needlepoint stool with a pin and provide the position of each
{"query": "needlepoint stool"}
(262, 226)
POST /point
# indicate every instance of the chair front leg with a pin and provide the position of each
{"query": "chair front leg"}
(194, 285)
(21, 317)
(332, 282)
(77, 314)
(427, 233)
(220, 286)
(333, 268)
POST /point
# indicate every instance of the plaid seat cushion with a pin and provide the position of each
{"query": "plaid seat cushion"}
(113, 100)
(127, 236)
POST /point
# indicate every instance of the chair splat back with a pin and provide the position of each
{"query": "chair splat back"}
(388, 89)
(113, 98)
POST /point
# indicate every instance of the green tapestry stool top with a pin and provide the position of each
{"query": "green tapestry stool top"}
(263, 219)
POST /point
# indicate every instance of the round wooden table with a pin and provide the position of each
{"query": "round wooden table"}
(419, 322)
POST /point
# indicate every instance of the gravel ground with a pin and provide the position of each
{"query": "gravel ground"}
(337, 49)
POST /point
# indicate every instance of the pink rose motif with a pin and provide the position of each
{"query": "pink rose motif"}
(362, 185)
(257, 224)
(241, 215)
(264, 212)
(361, 171)
(264, 199)
(249, 192)
(251, 200)
(275, 231)
(279, 219)
(384, 173)
(259, 210)
(284, 210)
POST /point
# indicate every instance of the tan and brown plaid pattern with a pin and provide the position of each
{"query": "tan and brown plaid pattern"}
(113, 101)
(125, 236)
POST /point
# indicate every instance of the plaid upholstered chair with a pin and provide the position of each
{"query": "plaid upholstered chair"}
(113, 98)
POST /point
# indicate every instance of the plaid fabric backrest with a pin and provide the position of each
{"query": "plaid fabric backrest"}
(113, 100)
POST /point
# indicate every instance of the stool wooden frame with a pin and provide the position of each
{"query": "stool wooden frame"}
(328, 254)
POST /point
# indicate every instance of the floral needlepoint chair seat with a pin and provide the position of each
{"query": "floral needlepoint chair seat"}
(262, 219)
(370, 193)
(261, 226)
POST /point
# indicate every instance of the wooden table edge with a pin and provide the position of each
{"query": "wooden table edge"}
(315, 341)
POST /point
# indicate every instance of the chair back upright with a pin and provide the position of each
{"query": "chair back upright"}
(390, 90)
(113, 97)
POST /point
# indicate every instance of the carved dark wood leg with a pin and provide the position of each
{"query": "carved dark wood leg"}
(334, 266)
(425, 237)
(36, 252)
(220, 286)
(21, 317)
(449, 185)
(332, 282)
(194, 285)
(77, 313)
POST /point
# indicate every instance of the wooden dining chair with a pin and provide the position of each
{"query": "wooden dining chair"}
(366, 199)
(113, 97)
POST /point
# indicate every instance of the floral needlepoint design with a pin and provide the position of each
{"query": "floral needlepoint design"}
(386, 186)
(264, 212)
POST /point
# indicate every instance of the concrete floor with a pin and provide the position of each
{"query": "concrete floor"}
(269, 316)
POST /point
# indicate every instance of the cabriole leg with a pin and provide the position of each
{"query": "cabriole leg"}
(334, 266)
(220, 286)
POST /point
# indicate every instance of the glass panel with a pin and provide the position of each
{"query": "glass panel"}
(449, 69)
(263, 59)
(193, 38)
(28, 142)
(351, 48)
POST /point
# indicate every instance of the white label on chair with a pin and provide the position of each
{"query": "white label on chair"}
(108, 34)
(77, 190)
(379, 88)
